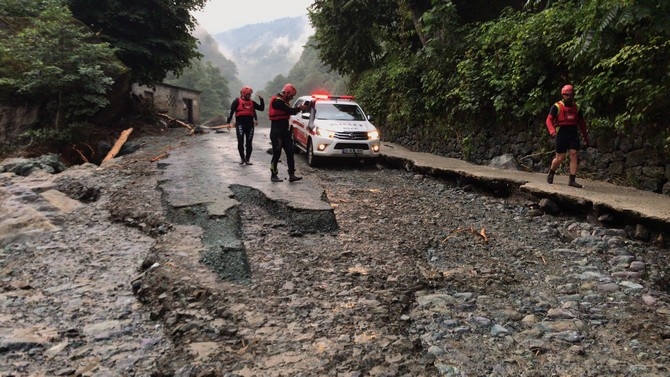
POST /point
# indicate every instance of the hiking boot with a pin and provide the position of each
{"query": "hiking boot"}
(248, 162)
(550, 177)
(275, 178)
(293, 178)
(571, 181)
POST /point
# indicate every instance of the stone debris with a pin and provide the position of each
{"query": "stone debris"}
(97, 281)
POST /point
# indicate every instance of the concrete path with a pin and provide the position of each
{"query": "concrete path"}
(645, 205)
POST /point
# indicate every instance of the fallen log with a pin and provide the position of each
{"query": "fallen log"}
(171, 119)
(201, 129)
(228, 126)
(117, 146)
(80, 153)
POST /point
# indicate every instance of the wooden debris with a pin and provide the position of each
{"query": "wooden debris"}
(164, 154)
(481, 234)
(201, 129)
(81, 155)
(117, 146)
(177, 121)
(160, 157)
(244, 348)
(228, 126)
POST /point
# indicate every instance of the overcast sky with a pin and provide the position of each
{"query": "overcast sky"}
(222, 15)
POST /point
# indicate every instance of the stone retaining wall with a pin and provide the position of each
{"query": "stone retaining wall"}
(636, 158)
(14, 120)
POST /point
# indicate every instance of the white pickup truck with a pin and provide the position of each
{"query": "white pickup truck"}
(334, 126)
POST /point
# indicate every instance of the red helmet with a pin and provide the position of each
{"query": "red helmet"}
(289, 90)
(568, 89)
(246, 90)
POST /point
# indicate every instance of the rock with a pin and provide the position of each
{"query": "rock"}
(505, 161)
(549, 207)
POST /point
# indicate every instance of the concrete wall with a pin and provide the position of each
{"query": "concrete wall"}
(179, 103)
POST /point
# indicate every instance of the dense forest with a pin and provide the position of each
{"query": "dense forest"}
(425, 68)
(448, 67)
(75, 61)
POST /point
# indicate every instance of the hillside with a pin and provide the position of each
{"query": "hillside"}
(263, 51)
(275, 53)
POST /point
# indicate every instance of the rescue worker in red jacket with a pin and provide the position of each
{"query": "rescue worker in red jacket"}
(564, 122)
(280, 133)
(244, 109)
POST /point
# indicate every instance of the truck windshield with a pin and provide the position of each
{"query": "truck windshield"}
(339, 111)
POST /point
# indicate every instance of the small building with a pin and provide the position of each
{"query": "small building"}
(179, 103)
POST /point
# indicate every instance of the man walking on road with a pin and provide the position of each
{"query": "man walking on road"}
(563, 120)
(280, 132)
(244, 109)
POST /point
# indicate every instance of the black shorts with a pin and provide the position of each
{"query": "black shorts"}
(567, 138)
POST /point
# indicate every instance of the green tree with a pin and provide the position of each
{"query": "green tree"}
(56, 61)
(451, 66)
(153, 37)
(24, 8)
(622, 60)
(350, 35)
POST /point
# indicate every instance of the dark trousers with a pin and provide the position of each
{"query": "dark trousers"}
(245, 137)
(281, 138)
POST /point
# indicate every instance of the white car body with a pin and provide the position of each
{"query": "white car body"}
(334, 126)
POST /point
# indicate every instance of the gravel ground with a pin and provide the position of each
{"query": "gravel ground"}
(418, 277)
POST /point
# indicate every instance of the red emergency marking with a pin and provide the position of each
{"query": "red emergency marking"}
(326, 96)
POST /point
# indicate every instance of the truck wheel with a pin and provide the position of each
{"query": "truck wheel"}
(312, 160)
